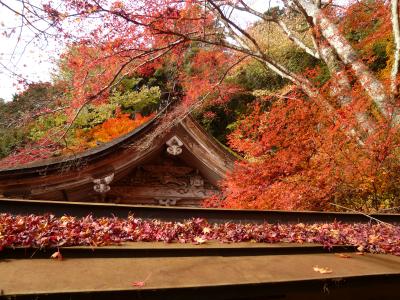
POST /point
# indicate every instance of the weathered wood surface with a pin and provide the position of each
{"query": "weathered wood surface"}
(255, 277)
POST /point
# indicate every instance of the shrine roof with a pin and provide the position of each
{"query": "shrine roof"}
(104, 149)
(98, 150)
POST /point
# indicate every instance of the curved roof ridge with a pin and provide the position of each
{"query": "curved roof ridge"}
(86, 153)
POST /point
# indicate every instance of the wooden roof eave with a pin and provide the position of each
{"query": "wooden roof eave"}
(116, 157)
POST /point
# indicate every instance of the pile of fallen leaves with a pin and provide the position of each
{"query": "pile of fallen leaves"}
(48, 231)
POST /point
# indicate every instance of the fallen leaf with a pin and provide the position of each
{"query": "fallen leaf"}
(57, 255)
(322, 270)
(360, 253)
(199, 240)
(138, 284)
(342, 255)
(206, 230)
(73, 231)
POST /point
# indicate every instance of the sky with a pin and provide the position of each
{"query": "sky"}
(36, 60)
(33, 60)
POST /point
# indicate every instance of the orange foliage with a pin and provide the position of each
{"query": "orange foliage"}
(110, 129)
(300, 158)
(204, 82)
(368, 27)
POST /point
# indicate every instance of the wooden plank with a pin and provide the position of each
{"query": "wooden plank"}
(293, 274)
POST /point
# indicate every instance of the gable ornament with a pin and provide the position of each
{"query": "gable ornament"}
(174, 146)
(102, 185)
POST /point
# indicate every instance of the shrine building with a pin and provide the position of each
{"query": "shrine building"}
(178, 166)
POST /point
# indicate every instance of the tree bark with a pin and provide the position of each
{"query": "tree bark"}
(372, 86)
(394, 86)
(341, 88)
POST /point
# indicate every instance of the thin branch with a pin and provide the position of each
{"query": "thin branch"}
(24, 17)
(231, 67)
(50, 111)
(194, 106)
(281, 25)
(291, 36)
(235, 26)
(248, 9)
(361, 213)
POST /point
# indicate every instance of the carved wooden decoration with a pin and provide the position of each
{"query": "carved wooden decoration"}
(174, 146)
(167, 181)
(101, 185)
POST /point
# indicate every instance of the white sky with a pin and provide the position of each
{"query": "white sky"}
(32, 60)
(36, 61)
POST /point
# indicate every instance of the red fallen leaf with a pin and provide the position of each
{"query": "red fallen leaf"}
(360, 253)
(57, 255)
(138, 284)
(54, 232)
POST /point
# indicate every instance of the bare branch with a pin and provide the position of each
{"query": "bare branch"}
(235, 26)
(296, 40)
(281, 25)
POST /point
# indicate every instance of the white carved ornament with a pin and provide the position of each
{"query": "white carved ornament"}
(174, 146)
(167, 202)
(102, 185)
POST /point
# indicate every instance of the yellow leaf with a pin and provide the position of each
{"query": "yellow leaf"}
(322, 270)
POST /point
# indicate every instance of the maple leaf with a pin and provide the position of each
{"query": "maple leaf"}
(50, 232)
(138, 284)
(206, 230)
(57, 255)
(141, 283)
(199, 240)
(342, 255)
(322, 270)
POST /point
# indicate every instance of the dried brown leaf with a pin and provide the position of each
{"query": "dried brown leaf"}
(57, 255)
(322, 270)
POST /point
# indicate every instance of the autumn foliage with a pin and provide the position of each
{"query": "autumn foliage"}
(110, 129)
(32, 152)
(298, 158)
(48, 231)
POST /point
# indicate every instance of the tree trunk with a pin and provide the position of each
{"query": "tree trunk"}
(373, 87)
(341, 88)
(394, 88)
